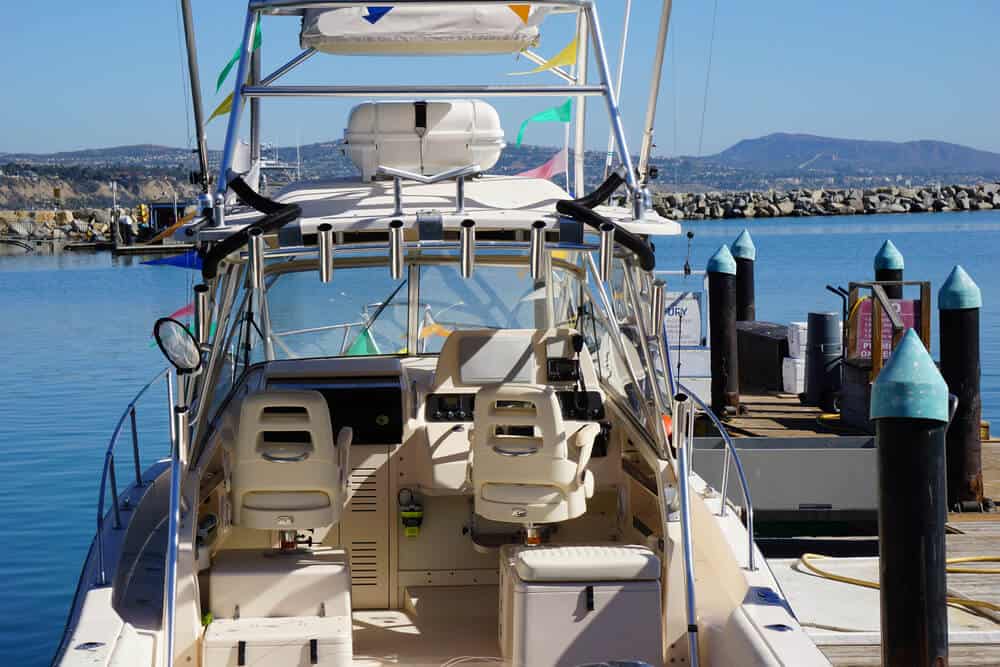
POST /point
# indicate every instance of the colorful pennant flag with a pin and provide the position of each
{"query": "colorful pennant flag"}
(557, 164)
(376, 13)
(222, 109)
(523, 11)
(560, 114)
(186, 311)
(363, 345)
(565, 57)
(188, 260)
(236, 57)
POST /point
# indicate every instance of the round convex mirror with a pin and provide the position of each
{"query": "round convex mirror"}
(177, 344)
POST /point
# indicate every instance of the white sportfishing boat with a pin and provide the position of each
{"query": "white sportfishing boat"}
(425, 416)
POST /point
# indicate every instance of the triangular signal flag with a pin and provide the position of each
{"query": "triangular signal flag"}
(521, 10)
(376, 13)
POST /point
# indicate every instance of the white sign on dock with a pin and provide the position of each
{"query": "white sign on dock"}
(684, 318)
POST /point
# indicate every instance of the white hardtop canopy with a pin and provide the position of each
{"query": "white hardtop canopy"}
(494, 202)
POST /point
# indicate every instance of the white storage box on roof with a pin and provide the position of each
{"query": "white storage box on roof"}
(423, 137)
(400, 30)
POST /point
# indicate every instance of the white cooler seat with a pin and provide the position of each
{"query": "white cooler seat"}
(278, 642)
(571, 605)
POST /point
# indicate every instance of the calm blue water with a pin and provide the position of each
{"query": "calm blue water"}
(75, 346)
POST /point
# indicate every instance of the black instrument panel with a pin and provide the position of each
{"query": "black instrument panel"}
(576, 406)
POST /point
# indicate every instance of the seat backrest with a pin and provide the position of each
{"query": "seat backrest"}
(521, 469)
(288, 472)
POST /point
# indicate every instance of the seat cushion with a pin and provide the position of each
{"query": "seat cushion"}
(587, 563)
(522, 494)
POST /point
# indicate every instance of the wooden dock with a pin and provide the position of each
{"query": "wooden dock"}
(159, 249)
(969, 534)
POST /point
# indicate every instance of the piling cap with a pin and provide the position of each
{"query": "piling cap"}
(910, 386)
(743, 247)
(888, 257)
(722, 262)
(959, 291)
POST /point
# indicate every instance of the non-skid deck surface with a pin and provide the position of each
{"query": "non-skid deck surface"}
(843, 619)
(781, 416)
(440, 625)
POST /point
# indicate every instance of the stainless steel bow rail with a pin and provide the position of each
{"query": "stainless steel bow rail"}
(108, 473)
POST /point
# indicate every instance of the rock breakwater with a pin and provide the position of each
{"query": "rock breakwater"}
(81, 225)
(808, 202)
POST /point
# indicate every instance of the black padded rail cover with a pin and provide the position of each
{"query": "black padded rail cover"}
(275, 217)
(579, 212)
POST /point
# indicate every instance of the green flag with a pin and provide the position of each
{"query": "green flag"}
(236, 56)
(559, 114)
(363, 345)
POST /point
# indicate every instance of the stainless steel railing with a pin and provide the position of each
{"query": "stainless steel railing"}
(108, 476)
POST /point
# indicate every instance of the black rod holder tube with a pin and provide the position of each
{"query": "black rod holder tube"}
(721, 271)
(467, 232)
(909, 406)
(960, 302)
(325, 240)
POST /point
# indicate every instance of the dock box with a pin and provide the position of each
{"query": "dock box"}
(762, 347)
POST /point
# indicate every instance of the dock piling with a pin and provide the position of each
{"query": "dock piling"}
(959, 302)
(745, 254)
(889, 266)
(721, 271)
(909, 406)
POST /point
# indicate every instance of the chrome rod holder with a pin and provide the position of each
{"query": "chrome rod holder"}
(202, 314)
(460, 195)
(607, 251)
(467, 234)
(255, 247)
(326, 242)
(684, 441)
(537, 250)
(397, 195)
(657, 304)
(397, 250)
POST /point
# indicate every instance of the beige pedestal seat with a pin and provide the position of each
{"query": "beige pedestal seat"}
(287, 607)
(524, 466)
(565, 605)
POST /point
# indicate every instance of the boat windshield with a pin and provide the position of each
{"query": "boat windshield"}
(364, 312)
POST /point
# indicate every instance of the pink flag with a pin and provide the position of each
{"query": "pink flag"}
(186, 311)
(556, 165)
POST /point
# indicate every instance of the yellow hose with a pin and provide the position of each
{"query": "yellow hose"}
(807, 559)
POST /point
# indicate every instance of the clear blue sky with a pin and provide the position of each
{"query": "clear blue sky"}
(103, 73)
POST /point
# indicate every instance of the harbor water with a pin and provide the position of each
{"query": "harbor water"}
(75, 346)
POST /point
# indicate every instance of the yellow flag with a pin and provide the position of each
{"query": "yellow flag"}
(222, 109)
(521, 10)
(565, 57)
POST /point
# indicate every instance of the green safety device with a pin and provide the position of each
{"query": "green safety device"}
(411, 513)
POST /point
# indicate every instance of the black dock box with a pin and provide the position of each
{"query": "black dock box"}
(761, 347)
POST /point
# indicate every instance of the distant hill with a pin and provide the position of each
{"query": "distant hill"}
(783, 152)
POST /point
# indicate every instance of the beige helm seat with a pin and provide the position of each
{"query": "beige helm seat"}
(524, 465)
(289, 473)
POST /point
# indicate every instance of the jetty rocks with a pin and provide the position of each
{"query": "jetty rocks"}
(66, 225)
(810, 202)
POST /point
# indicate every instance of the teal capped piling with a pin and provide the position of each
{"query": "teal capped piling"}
(910, 411)
(910, 386)
(959, 291)
(960, 301)
(743, 247)
(722, 262)
(889, 257)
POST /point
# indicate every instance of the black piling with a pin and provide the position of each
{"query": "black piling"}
(824, 348)
(960, 301)
(910, 409)
(721, 271)
(745, 254)
(889, 266)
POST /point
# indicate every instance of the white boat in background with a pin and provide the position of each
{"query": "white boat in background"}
(426, 415)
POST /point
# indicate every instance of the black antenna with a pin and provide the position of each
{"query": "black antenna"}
(687, 260)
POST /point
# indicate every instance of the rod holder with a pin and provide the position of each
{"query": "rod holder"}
(460, 195)
(657, 304)
(202, 314)
(325, 233)
(607, 251)
(467, 234)
(397, 195)
(397, 250)
(255, 246)
(537, 258)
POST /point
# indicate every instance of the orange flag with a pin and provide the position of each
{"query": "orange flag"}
(521, 10)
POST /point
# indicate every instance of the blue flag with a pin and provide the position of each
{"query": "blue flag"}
(189, 260)
(375, 13)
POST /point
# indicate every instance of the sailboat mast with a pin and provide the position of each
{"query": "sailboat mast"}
(654, 93)
(195, 79)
